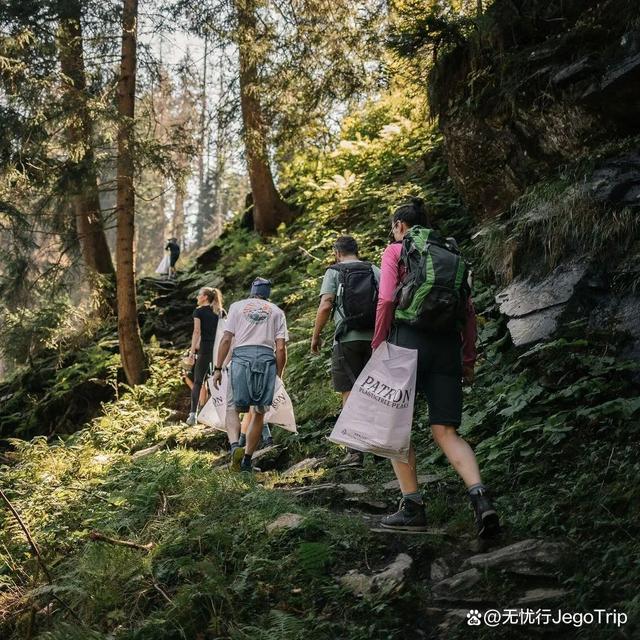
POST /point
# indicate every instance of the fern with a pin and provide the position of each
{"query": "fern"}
(313, 557)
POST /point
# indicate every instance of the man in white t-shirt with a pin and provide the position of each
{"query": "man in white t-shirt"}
(258, 329)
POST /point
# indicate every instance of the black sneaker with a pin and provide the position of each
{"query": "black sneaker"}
(410, 516)
(487, 520)
(246, 466)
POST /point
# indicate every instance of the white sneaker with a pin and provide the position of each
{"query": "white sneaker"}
(191, 420)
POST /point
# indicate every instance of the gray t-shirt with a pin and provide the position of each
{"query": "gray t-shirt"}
(331, 284)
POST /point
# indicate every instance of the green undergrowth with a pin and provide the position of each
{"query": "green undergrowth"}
(212, 569)
(59, 391)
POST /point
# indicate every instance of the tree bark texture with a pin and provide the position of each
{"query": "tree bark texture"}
(84, 182)
(202, 215)
(131, 351)
(269, 209)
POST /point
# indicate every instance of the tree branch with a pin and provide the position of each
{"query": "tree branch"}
(101, 537)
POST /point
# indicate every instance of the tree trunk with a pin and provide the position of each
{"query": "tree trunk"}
(221, 144)
(84, 182)
(131, 352)
(177, 228)
(269, 208)
(202, 217)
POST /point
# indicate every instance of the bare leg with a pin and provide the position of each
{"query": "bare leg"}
(345, 395)
(233, 425)
(246, 421)
(458, 452)
(203, 395)
(254, 433)
(406, 473)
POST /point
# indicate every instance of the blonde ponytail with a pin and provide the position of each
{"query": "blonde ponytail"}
(217, 302)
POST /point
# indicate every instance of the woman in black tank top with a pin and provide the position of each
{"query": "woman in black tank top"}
(205, 324)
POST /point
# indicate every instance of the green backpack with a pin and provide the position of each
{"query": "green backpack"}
(434, 290)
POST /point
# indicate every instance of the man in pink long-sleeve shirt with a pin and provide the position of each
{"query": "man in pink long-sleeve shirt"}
(444, 359)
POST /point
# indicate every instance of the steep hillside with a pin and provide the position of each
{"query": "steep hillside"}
(143, 533)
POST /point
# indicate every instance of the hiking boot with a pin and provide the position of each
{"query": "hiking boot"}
(487, 520)
(245, 466)
(237, 453)
(191, 420)
(242, 440)
(410, 516)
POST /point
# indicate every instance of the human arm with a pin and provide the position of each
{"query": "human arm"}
(322, 317)
(223, 351)
(389, 280)
(281, 356)
(227, 360)
(469, 337)
(195, 338)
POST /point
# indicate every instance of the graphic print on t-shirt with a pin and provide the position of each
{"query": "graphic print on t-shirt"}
(257, 311)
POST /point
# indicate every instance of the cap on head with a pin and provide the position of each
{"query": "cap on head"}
(261, 287)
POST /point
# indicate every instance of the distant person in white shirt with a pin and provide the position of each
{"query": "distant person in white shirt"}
(259, 331)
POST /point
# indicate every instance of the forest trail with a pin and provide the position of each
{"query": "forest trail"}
(448, 560)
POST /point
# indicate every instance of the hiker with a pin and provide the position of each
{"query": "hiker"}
(259, 331)
(205, 323)
(441, 367)
(349, 295)
(174, 252)
(190, 369)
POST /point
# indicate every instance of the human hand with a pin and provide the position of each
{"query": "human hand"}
(217, 379)
(316, 345)
(188, 361)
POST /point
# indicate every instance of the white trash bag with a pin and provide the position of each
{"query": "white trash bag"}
(378, 414)
(214, 412)
(281, 411)
(164, 266)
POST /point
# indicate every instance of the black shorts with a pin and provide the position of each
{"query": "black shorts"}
(439, 376)
(173, 260)
(347, 361)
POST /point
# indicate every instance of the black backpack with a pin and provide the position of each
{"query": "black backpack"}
(359, 295)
